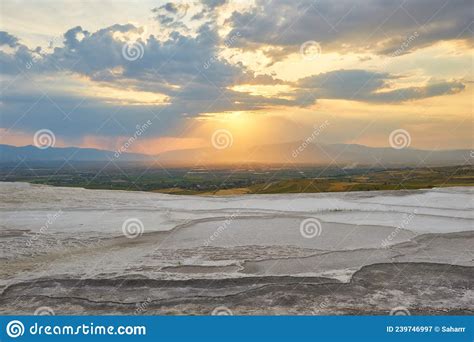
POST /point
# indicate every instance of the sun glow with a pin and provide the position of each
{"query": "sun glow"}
(126, 96)
(264, 90)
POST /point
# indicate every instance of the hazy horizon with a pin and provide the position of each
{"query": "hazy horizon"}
(295, 154)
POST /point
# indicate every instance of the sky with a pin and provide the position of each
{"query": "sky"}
(156, 76)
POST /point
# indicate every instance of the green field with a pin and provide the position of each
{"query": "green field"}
(232, 181)
(382, 180)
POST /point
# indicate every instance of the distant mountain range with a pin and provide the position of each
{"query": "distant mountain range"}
(10, 153)
(343, 155)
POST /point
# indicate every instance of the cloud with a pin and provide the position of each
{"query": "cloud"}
(187, 70)
(71, 37)
(8, 39)
(14, 62)
(170, 14)
(376, 26)
(368, 86)
(47, 87)
(212, 4)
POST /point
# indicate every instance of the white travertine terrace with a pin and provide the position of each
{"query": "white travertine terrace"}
(70, 233)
